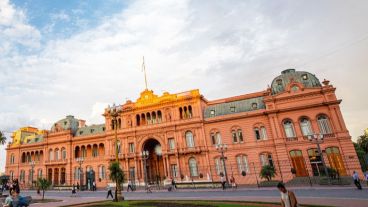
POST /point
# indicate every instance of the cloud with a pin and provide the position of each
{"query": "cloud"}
(14, 29)
(224, 48)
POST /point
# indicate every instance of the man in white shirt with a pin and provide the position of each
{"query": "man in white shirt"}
(356, 180)
(288, 198)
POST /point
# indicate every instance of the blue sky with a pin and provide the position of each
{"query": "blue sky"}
(66, 57)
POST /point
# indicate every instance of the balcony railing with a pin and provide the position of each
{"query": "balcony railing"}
(56, 162)
(293, 139)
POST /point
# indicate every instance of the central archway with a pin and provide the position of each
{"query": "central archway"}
(154, 163)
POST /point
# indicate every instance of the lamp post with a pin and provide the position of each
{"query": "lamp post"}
(32, 163)
(114, 112)
(80, 161)
(145, 155)
(221, 148)
(318, 139)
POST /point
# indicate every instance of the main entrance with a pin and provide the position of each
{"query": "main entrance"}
(154, 163)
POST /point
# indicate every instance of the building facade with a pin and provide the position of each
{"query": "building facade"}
(181, 131)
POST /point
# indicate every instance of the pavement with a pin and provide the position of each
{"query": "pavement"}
(330, 196)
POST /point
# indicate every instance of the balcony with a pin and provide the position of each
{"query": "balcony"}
(56, 162)
(189, 150)
(301, 138)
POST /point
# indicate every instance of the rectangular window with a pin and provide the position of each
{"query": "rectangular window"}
(131, 147)
(240, 135)
(232, 109)
(242, 162)
(174, 170)
(257, 133)
(213, 138)
(235, 138)
(132, 173)
(213, 113)
(171, 143)
(219, 166)
(263, 133)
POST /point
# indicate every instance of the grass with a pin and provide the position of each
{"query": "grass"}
(147, 203)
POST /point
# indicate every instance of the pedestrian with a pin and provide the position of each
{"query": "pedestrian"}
(233, 183)
(129, 186)
(94, 188)
(73, 191)
(77, 185)
(109, 192)
(366, 177)
(38, 191)
(173, 183)
(148, 190)
(356, 180)
(9, 200)
(288, 198)
(16, 186)
(223, 182)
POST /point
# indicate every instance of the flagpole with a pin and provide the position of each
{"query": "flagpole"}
(145, 76)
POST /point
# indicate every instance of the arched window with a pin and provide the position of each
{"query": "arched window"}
(181, 113)
(102, 172)
(63, 153)
(23, 157)
(153, 117)
(189, 139)
(335, 160)
(148, 118)
(11, 175)
(138, 119)
(159, 117)
(84, 151)
(56, 154)
(12, 159)
(306, 127)
(193, 169)
(22, 176)
(266, 159)
(185, 113)
(39, 173)
(240, 135)
(219, 164)
(94, 150)
(289, 129)
(242, 161)
(51, 155)
(218, 138)
(190, 112)
(234, 136)
(119, 123)
(324, 125)
(143, 118)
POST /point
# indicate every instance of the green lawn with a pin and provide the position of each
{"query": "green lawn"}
(185, 204)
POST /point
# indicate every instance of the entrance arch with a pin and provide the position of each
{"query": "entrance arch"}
(154, 163)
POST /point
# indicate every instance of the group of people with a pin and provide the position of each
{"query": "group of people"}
(14, 199)
(232, 182)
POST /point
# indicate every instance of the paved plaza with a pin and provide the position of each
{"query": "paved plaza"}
(344, 197)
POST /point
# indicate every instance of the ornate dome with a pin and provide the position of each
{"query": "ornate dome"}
(68, 123)
(307, 79)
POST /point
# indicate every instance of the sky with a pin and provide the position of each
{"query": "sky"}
(76, 57)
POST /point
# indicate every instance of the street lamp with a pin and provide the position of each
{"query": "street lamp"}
(32, 163)
(145, 155)
(80, 160)
(114, 112)
(318, 139)
(221, 148)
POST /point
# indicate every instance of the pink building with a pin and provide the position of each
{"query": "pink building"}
(181, 132)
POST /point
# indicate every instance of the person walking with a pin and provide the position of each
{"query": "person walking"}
(77, 185)
(223, 182)
(233, 183)
(173, 183)
(129, 186)
(94, 186)
(73, 191)
(356, 180)
(288, 198)
(109, 192)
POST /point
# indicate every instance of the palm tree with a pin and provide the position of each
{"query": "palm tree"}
(44, 184)
(2, 138)
(268, 172)
(117, 175)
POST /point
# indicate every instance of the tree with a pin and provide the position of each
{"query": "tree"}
(363, 142)
(44, 184)
(268, 172)
(361, 156)
(2, 138)
(116, 175)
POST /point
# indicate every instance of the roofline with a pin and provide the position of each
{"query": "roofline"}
(239, 97)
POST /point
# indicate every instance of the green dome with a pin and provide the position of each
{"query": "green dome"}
(307, 79)
(68, 123)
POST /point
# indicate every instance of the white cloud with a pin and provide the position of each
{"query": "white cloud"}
(15, 30)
